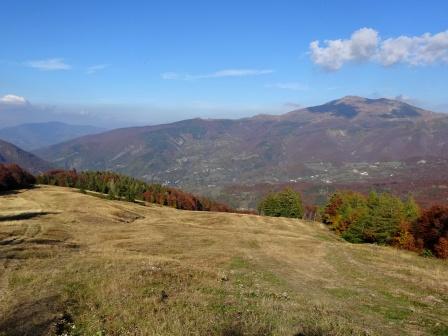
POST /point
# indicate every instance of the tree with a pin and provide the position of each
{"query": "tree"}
(381, 223)
(14, 177)
(431, 231)
(377, 218)
(112, 189)
(343, 209)
(411, 209)
(286, 203)
(125, 187)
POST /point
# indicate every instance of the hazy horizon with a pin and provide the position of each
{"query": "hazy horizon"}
(112, 65)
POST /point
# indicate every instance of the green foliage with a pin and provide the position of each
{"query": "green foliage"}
(427, 253)
(378, 218)
(411, 209)
(286, 203)
(343, 209)
(121, 187)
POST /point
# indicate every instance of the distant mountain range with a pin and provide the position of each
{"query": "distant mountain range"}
(198, 154)
(10, 153)
(37, 135)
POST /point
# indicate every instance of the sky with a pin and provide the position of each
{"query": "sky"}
(121, 63)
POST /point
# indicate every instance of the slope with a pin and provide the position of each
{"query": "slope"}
(200, 154)
(37, 135)
(9, 153)
(81, 265)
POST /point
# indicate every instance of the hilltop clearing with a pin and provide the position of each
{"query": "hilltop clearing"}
(75, 264)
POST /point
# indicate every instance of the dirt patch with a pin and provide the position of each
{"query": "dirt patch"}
(126, 216)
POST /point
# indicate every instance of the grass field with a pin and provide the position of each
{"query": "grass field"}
(74, 264)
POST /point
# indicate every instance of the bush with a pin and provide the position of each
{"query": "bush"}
(431, 231)
(14, 177)
(286, 203)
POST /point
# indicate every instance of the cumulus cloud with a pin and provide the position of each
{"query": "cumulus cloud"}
(415, 50)
(11, 99)
(361, 46)
(95, 68)
(365, 44)
(217, 74)
(50, 64)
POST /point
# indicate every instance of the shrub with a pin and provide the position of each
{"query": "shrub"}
(431, 231)
(14, 177)
(286, 203)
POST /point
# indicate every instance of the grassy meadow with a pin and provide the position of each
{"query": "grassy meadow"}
(75, 264)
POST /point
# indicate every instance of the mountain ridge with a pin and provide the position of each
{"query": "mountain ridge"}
(31, 136)
(10, 153)
(204, 153)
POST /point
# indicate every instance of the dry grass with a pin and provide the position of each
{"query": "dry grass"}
(81, 265)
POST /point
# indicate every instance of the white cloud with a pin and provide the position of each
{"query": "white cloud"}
(217, 74)
(416, 50)
(50, 64)
(293, 86)
(238, 73)
(95, 68)
(361, 46)
(11, 99)
(172, 76)
(366, 45)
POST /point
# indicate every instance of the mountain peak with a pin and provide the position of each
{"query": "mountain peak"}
(356, 107)
(351, 99)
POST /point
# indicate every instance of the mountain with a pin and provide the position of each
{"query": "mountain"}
(10, 153)
(200, 155)
(36, 135)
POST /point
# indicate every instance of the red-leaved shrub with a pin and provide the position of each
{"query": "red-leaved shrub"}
(14, 177)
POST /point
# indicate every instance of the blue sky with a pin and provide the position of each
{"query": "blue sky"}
(144, 62)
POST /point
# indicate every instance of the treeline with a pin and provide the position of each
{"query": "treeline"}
(376, 218)
(118, 186)
(14, 177)
(388, 220)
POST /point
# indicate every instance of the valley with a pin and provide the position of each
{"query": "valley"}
(347, 141)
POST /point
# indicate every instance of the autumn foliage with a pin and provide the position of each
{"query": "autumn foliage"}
(431, 231)
(118, 186)
(386, 219)
(14, 177)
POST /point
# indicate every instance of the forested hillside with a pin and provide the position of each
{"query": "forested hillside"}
(118, 186)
